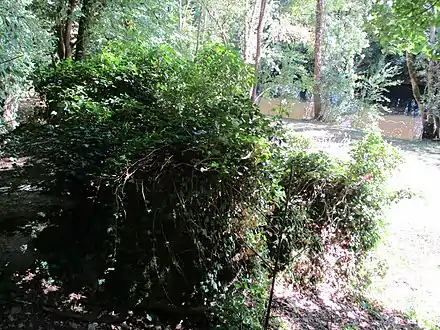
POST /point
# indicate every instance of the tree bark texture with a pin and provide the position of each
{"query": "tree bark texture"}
(428, 127)
(258, 46)
(245, 37)
(68, 29)
(83, 30)
(180, 15)
(64, 31)
(250, 31)
(61, 42)
(317, 102)
(432, 86)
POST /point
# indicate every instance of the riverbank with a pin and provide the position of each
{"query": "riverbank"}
(394, 126)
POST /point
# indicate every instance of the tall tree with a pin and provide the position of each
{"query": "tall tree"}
(403, 26)
(317, 103)
(84, 29)
(68, 29)
(64, 22)
(72, 21)
(91, 13)
(258, 46)
(414, 83)
(431, 98)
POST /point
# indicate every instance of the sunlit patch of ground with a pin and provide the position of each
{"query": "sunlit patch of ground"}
(412, 247)
(302, 310)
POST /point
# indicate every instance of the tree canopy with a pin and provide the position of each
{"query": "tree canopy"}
(404, 25)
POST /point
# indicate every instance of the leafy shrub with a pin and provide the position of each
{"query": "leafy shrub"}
(333, 206)
(163, 156)
(183, 194)
(243, 306)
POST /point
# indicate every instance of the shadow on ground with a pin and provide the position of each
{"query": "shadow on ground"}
(411, 249)
(29, 299)
(34, 302)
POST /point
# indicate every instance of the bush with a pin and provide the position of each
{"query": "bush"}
(163, 156)
(184, 194)
(334, 207)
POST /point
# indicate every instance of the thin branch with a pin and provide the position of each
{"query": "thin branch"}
(423, 11)
(198, 30)
(186, 14)
(275, 272)
(258, 47)
(265, 262)
(12, 59)
(225, 39)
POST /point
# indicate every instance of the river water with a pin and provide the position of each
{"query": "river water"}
(392, 126)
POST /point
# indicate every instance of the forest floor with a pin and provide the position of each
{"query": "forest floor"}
(411, 250)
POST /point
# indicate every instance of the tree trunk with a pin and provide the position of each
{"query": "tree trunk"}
(199, 21)
(68, 30)
(250, 31)
(9, 112)
(61, 43)
(220, 27)
(317, 102)
(251, 6)
(59, 27)
(83, 30)
(436, 126)
(180, 15)
(258, 46)
(432, 106)
(205, 22)
(427, 127)
(185, 15)
(245, 38)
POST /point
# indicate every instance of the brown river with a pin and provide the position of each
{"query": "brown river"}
(392, 126)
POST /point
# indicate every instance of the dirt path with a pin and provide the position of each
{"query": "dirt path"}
(412, 248)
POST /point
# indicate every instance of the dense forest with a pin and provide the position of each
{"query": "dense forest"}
(155, 183)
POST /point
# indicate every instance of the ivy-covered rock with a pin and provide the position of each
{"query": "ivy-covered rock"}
(185, 197)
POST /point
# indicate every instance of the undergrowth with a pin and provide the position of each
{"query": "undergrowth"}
(186, 199)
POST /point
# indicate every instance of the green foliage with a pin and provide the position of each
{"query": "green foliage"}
(174, 148)
(374, 85)
(287, 61)
(244, 305)
(133, 21)
(332, 203)
(182, 192)
(344, 39)
(122, 73)
(371, 88)
(22, 43)
(401, 26)
(287, 70)
(20, 39)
